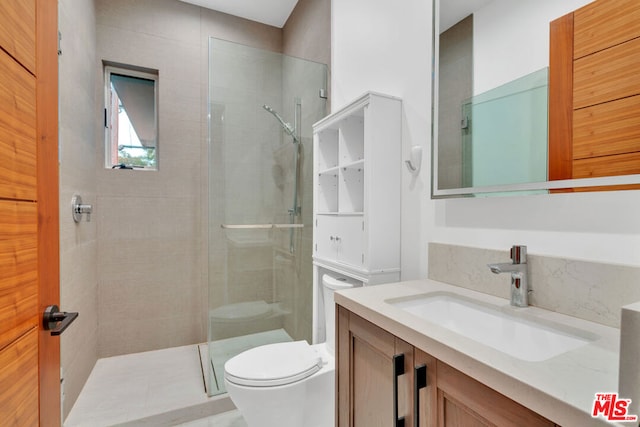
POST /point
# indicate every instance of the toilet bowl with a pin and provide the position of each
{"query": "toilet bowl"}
(288, 384)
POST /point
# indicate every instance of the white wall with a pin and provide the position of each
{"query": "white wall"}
(498, 58)
(377, 45)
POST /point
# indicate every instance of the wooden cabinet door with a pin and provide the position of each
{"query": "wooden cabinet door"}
(425, 402)
(465, 402)
(365, 381)
(29, 226)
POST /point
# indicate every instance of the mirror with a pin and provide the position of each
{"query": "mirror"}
(492, 121)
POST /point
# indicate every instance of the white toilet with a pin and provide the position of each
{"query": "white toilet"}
(288, 384)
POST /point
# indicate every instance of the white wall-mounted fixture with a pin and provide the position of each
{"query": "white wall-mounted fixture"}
(415, 159)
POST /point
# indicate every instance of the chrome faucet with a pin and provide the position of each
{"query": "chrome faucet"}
(519, 277)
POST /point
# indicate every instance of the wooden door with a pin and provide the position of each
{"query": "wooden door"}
(364, 379)
(594, 92)
(29, 228)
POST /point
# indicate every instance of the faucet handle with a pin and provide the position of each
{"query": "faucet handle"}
(519, 254)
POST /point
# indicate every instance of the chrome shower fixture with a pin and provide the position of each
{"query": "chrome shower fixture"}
(286, 126)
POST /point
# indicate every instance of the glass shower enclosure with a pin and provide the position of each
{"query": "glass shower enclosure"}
(261, 108)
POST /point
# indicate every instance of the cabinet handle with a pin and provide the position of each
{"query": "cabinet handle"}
(419, 382)
(398, 369)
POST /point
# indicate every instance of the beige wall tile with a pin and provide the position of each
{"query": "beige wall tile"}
(78, 242)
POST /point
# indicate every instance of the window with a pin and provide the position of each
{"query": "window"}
(131, 118)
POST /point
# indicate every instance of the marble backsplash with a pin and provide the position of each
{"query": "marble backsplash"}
(587, 290)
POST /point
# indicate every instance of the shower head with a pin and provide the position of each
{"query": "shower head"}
(286, 126)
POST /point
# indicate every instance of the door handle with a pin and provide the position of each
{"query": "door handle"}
(57, 321)
(419, 382)
(398, 369)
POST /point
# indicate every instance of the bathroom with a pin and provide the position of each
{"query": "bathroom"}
(369, 46)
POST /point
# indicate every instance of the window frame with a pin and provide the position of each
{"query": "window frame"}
(134, 72)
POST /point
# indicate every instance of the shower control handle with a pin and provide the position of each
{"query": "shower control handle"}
(78, 209)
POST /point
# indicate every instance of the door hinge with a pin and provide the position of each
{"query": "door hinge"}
(106, 120)
(362, 225)
(363, 258)
(59, 43)
(316, 247)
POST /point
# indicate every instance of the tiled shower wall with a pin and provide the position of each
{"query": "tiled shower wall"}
(79, 126)
(152, 242)
(152, 226)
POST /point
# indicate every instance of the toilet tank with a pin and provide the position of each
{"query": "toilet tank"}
(330, 284)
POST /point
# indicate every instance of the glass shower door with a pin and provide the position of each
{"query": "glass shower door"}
(261, 108)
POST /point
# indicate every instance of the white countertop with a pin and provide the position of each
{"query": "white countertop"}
(561, 389)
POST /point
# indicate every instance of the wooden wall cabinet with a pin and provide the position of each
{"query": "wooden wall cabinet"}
(357, 164)
(365, 393)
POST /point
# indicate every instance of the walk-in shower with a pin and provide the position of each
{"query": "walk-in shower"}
(260, 196)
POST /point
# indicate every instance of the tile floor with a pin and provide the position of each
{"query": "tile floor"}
(162, 388)
(155, 388)
(227, 419)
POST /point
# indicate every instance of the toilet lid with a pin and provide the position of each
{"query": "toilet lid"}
(273, 364)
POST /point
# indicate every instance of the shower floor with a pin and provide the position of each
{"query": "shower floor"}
(162, 387)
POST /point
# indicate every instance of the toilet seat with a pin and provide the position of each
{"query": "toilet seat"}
(273, 365)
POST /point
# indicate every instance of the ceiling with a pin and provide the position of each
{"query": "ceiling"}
(270, 12)
(276, 12)
(453, 11)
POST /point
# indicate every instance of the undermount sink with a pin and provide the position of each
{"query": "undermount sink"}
(517, 335)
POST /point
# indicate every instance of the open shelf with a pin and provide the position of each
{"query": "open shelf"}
(351, 139)
(327, 199)
(327, 149)
(351, 189)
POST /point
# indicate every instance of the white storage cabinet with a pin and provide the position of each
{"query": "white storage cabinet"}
(357, 165)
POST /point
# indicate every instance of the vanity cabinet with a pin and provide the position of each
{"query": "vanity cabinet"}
(365, 376)
(357, 165)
